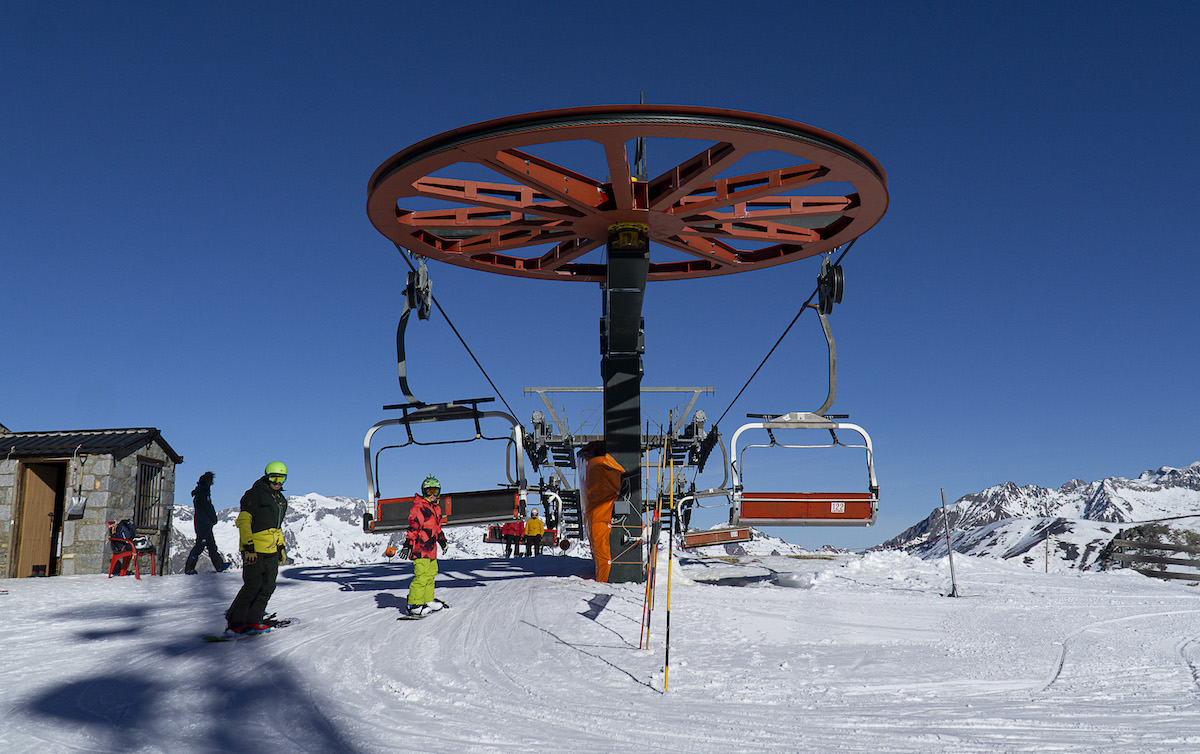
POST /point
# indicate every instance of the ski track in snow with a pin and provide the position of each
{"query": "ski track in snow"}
(857, 653)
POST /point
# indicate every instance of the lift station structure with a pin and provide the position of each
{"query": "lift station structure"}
(700, 217)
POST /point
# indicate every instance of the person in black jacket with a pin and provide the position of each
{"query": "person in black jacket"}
(205, 519)
(260, 532)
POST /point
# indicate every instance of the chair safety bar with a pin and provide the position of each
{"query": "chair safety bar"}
(442, 412)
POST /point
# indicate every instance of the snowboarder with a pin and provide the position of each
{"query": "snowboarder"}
(205, 519)
(421, 545)
(534, 528)
(260, 531)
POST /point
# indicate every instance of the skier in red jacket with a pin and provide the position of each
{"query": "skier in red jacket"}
(514, 532)
(421, 544)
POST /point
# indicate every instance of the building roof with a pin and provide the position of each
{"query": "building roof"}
(116, 442)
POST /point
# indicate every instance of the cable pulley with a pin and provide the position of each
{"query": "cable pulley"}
(420, 291)
(831, 284)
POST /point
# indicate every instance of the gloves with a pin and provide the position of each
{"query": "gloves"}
(444, 544)
(406, 552)
(249, 557)
(282, 555)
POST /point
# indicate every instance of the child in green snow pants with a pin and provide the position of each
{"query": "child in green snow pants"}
(420, 590)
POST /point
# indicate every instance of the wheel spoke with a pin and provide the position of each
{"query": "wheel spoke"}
(507, 240)
(758, 230)
(771, 252)
(619, 175)
(495, 195)
(744, 188)
(799, 211)
(567, 251)
(687, 176)
(464, 221)
(710, 250)
(554, 181)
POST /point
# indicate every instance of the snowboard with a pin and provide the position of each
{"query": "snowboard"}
(444, 605)
(270, 620)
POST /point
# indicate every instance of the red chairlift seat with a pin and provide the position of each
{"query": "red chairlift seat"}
(495, 537)
(721, 536)
(808, 508)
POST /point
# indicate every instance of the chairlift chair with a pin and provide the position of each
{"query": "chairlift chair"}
(458, 508)
(858, 508)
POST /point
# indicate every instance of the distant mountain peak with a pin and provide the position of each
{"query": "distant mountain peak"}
(1007, 520)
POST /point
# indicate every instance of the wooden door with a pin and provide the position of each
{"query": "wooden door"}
(39, 496)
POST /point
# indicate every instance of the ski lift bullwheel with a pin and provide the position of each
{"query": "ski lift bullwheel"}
(503, 206)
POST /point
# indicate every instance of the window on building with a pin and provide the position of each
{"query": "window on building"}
(148, 512)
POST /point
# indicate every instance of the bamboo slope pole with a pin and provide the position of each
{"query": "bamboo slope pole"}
(651, 565)
(658, 496)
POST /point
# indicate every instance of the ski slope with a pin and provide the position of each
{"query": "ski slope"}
(850, 653)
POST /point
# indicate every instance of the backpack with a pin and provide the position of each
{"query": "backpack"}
(123, 530)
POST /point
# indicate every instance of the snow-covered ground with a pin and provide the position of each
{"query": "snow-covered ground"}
(767, 653)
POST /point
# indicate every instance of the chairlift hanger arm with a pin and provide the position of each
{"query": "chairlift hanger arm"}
(419, 296)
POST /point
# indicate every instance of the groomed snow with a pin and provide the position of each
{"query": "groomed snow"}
(844, 653)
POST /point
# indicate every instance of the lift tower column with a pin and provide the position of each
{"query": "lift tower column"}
(621, 348)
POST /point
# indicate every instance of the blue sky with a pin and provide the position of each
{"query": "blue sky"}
(186, 246)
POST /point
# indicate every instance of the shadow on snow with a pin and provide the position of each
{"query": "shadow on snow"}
(454, 573)
(239, 703)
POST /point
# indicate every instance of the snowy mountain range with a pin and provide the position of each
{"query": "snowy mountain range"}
(1068, 527)
(1060, 529)
(322, 530)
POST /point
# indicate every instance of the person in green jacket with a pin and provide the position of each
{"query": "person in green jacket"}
(260, 532)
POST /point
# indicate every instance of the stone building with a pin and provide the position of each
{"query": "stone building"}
(60, 490)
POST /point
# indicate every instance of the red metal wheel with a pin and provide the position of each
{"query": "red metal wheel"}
(745, 197)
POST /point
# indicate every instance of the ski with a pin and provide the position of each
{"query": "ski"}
(444, 605)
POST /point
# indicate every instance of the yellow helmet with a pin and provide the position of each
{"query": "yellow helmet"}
(276, 471)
